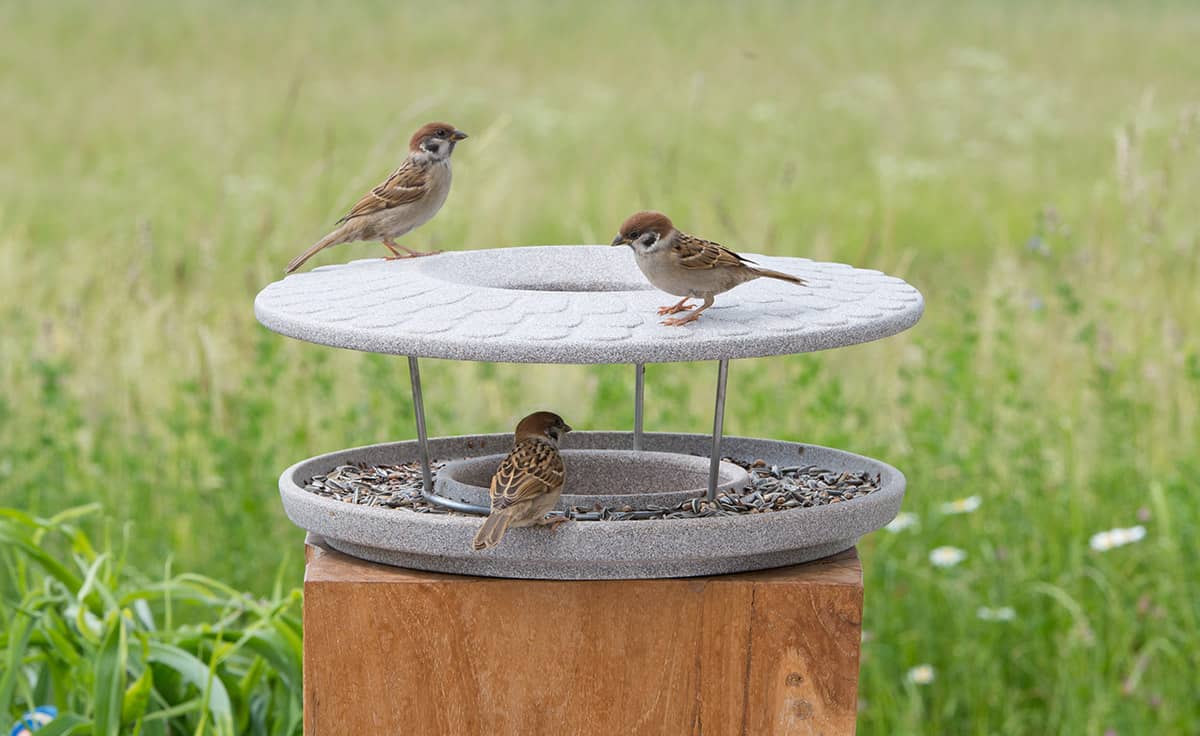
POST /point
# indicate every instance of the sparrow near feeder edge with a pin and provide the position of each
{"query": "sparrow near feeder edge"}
(529, 482)
(685, 265)
(407, 199)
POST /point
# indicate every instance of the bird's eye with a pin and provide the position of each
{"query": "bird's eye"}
(634, 235)
(442, 132)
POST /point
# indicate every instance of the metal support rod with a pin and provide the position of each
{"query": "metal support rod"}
(639, 402)
(414, 373)
(714, 466)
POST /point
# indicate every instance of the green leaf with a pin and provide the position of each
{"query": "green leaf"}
(64, 725)
(61, 638)
(19, 631)
(198, 674)
(137, 697)
(282, 649)
(71, 514)
(189, 706)
(111, 662)
(35, 553)
(91, 580)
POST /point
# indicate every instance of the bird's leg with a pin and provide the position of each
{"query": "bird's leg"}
(408, 252)
(682, 306)
(676, 321)
(554, 520)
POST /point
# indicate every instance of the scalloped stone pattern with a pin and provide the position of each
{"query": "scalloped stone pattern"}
(576, 304)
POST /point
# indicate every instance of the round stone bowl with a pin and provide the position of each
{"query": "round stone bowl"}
(606, 477)
(590, 550)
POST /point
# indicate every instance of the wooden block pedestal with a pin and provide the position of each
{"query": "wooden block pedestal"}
(395, 651)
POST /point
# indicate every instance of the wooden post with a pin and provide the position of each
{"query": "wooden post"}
(395, 651)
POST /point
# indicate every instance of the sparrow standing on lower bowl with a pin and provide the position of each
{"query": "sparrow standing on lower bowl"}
(685, 265)
(405, 200)
(529, 481)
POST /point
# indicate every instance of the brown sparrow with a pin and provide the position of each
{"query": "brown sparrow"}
(404, 201)
(685, 265)
(529, 481)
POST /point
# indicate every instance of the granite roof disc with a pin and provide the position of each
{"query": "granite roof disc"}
(576, 304)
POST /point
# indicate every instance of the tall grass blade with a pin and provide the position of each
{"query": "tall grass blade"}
(111, 662)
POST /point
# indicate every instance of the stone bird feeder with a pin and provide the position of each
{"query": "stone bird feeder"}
(407, 649)
(586, 304)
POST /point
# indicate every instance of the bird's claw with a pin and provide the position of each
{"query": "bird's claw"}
(554, 521)
(674, 309)
(414, 254)
(677, 321)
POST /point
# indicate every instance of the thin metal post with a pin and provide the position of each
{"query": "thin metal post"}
(718, 427)
(639, 400)
(414, 373)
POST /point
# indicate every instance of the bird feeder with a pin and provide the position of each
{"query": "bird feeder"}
(648, 504)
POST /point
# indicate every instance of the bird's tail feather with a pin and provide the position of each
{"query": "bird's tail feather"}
(493, 530)
(780, 275)
(332, 238)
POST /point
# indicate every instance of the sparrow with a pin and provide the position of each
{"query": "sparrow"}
(685, 265)
(407, 199)
(529, 481)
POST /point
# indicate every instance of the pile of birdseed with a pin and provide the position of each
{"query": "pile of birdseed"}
(772, 488)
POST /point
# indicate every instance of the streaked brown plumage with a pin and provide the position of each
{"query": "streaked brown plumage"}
(685, 265)
(407, 199)
(529, 481)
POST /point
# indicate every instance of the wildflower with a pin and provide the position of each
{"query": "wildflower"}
(922, 674)
(1104, 541)
(962, 505)
(947, 556)
(903, 520)
(1003, 613)
(1037, 245)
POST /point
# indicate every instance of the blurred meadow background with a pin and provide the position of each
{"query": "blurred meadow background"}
(1032, 167)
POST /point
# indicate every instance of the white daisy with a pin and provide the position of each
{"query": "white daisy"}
(1104, 541)
(903, 521)
(922, 674)
(1003, 613)
(947, 556)
(962, 505)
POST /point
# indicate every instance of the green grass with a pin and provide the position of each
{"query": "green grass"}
(1031, 167)
(116, 651)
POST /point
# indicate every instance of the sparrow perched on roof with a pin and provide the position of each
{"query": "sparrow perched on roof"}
(404, 201)
(529, 481)
(685, 265)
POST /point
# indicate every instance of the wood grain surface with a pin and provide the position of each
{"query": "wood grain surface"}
(395, 651)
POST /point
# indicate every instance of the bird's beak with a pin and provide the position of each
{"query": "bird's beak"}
(458, 135)
(619, 240)
(567, 428)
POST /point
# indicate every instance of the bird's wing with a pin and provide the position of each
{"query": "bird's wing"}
(698, 253)
(531, 469)
(406, 184)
